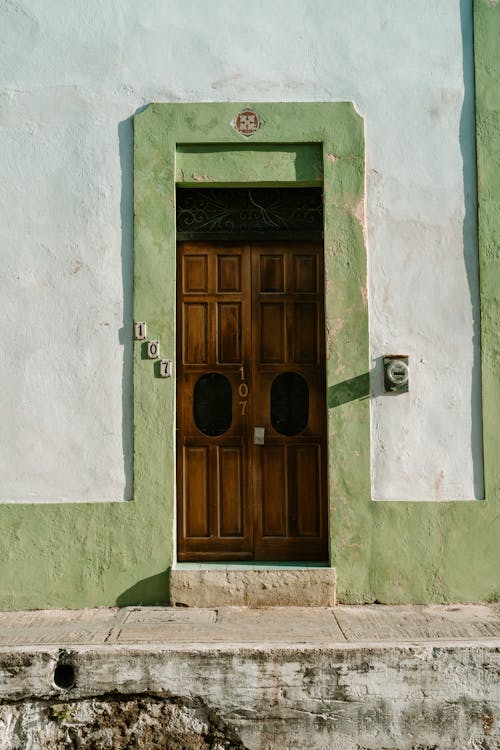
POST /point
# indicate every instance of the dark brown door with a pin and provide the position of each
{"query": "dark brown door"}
(251, 413)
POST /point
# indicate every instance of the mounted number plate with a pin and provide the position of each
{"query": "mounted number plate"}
(140, 330)
(165, 368)
(153, 349)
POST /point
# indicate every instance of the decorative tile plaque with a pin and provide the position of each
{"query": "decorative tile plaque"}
(247, 122)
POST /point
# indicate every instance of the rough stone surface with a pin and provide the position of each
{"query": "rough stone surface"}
(343, 678)
(245, 625)
(112, 723)
(231, 625)
(66, 626)
(313, 587)
(341, 698)
(375, 623)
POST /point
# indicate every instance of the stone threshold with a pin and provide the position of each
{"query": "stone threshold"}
(252, 585)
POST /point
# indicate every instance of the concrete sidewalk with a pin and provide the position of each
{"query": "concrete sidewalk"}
(342, 678)
(245, 626)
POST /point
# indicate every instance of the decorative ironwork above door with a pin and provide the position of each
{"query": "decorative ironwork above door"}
(226, 213)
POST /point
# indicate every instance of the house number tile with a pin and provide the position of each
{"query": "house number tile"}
(153, 349)
(165, 368)
(140, 330)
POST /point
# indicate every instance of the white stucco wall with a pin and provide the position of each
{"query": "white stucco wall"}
(71, 76)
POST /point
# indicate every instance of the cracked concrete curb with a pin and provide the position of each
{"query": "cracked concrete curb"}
(349, 696)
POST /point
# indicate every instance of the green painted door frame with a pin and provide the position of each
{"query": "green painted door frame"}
(304, 144)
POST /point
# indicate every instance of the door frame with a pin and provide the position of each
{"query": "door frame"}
(297, 144)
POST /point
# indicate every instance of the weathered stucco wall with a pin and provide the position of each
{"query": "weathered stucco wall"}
(70, 84)
(405, 697)
(71, 81)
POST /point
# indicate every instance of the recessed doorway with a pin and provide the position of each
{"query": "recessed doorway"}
(251, 397)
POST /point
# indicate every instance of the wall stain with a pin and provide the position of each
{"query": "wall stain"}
(487, 721)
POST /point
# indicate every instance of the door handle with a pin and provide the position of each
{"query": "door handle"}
(258, 435)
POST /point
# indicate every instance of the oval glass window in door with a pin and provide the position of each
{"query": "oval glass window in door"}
(213, 404)
(289, 403)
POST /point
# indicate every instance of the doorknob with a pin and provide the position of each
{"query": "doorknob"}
(258, 435)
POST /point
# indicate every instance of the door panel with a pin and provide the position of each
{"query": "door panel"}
(288, 351)
(196, 491)
(305, 336)
(195, 333)
(251, 354)
(305, 471)
(272, 345)
(273, 494)
(231, 491)
(229, 326)
(213, 313)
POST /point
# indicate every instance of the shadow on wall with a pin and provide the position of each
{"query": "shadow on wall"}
(125, 334)
(362, 386)
(470, 239)
(348, 390)
(126, 142)
(147, 593)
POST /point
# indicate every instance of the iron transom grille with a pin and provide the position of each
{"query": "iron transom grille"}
(227, 212)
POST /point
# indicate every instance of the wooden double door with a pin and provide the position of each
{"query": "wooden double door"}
(251, 412)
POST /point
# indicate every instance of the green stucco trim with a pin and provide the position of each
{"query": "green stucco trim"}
(487, 67)
(240, 164)
(429, 551)
(299, 144)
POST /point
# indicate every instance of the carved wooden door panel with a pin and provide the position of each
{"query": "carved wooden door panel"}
(213, 324)
(251, 419)
(289, 402)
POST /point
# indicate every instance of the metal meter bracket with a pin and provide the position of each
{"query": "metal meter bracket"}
(396, 373)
